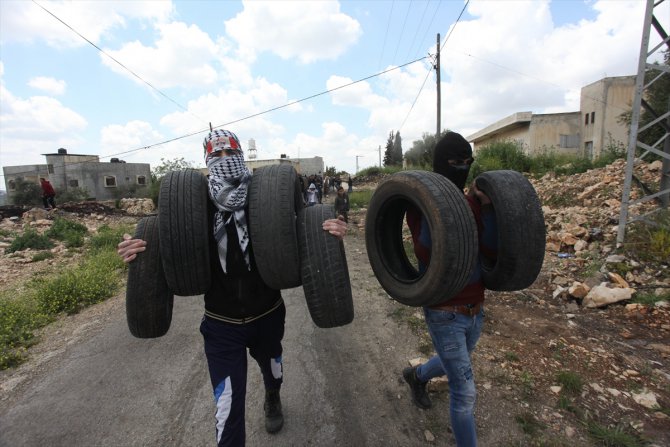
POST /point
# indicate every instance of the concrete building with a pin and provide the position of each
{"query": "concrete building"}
(588, 132)
(306, 166)
(102, 180)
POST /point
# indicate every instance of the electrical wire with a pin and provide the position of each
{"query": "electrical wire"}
(207, 129)
(402, 31)
(388, 25)
(115, 60)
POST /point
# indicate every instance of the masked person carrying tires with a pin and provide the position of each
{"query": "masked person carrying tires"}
(455, 324)
(241, 311)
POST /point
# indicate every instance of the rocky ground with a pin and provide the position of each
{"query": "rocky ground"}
(575, 321)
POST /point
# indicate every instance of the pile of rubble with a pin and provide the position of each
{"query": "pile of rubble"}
(581, 215)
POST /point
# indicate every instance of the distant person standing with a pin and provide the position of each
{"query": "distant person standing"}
(48, 194)
(311, 195)
(351, 185)
(342, 204)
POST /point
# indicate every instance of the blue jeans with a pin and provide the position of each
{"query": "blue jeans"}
(454, 338)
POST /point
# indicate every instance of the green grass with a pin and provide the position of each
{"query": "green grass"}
(109, 237)
(30, 306)
(30, 239)
(571, 383)
(20, 315)
(613, 437)
(649, 299)
(529, 424)
(95, 279)
(359, 199)
(41, 256)
(70, 232)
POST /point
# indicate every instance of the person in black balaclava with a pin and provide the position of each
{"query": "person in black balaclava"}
(455, 324)
(452, 158)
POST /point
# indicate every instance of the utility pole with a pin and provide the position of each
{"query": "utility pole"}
(357, 157)
(663, 120)
(439, 102)
(380, 155)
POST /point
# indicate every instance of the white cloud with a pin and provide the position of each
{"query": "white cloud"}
(35, 126)
(507, 60)
(182, 56)
(307, 31)
(116, 138)
(49, 85)
(25, 21)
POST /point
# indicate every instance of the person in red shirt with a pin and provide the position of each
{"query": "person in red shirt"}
(455, 324)
(48, 194)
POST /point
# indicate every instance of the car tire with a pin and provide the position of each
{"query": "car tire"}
(324, 270)
(149, 300)
(274, 201)
(184, 231)
(521, 231)
(453, 233)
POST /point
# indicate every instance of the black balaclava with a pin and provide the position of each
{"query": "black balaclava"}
(453, 147)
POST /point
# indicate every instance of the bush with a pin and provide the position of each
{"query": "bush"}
(650, 241)
(26, 193)
(73, 195)
(19, 317)
(108, 237)
(41, 256)
(71, 233)
(94, 280)
(500, 155)
(29, 239)
(375, 170)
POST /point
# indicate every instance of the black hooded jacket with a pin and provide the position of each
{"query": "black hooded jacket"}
(241, 295)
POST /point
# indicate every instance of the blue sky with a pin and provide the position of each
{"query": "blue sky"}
(222, 62)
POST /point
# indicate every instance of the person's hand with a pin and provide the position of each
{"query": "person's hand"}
(129, 247)
(336, 227)
(483, 198)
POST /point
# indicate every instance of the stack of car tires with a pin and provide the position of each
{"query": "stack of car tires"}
(453, 234)
(290, 249)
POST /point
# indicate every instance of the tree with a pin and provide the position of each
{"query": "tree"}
(26, 193)
(165, 166)
(388, 153)
(421, 153)
(393, 152)
(397, 149)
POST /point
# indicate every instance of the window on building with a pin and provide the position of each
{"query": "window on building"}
(110, 181)
(141, 180)
(50, 168)
(593, 117)
(569, 141)
(11, 185)
(586, 119)
(73, 183)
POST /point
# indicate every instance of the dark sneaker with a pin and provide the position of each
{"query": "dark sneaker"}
(274, 419)
(419, 394)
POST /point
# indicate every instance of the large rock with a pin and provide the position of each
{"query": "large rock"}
(137, 206)
(602, 295)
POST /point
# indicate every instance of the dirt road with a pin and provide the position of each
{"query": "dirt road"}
(91, 383)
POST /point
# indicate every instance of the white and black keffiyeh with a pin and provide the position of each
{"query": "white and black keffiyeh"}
(228, 182)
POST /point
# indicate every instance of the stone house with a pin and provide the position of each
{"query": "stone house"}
(102, 180)
(588, 132)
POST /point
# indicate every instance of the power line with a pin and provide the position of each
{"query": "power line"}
(423, 14)
(431, 68)
(402, 31)
(207, 129)
(388, 25)
(115, 60)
